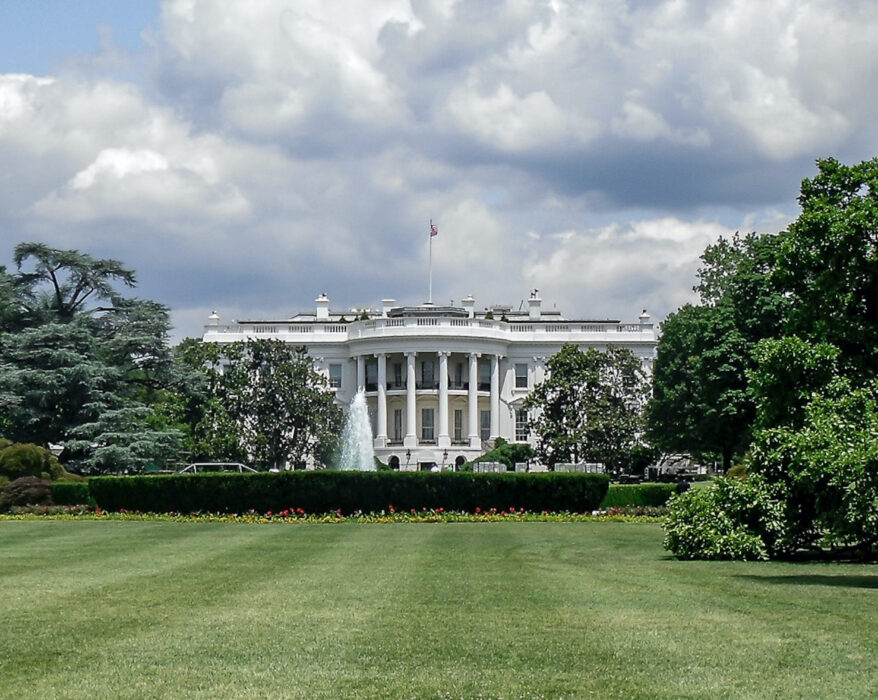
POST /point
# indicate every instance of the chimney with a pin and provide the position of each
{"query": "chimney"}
(533, 305)
(386, 306)
(213, 319)
(322, 307)
(644, 318)
(469, 304)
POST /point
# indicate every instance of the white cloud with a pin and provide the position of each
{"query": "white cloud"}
(262, 152)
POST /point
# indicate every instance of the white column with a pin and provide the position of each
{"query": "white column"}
(361, 373)
(473, 401)
(495, 396)
(411, 437)
(444, 439)
(381, 438)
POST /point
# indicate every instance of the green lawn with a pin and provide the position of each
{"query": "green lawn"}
(506, 610)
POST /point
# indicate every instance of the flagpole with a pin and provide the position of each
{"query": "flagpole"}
(430, 298)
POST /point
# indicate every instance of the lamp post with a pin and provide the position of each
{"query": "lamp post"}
(444, 457)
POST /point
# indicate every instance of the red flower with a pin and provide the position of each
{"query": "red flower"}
(300, 511)
(391, 508)
(269, 514)
(478, 510)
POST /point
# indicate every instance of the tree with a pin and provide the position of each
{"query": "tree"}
(813, 464)
(828, 263)
(80, 363)
(263, 400)
(700, 403)
(590, 407)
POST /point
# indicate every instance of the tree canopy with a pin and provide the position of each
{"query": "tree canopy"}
(796, 318)
(79, 361)
(590, 407)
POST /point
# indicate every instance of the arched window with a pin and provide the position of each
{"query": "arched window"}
(394, 463)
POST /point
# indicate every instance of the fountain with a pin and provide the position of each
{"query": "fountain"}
(357, 453)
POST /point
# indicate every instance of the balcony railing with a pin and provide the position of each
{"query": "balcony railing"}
(415, 326)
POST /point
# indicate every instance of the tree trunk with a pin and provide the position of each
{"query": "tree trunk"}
(727, 459)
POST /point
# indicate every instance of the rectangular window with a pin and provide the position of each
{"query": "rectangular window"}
(458, 376)
(397, 376)
(397, 424)
(521, 376)
(427, 424)
(335, 376)
(371, 377)
(520, 425)
(427, 374)
(484, 376)
(485, 425)
(458, 425)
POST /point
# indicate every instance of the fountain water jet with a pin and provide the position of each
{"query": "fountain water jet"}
(357, 453)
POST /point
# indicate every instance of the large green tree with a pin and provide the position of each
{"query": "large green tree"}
(701, 401)
(80, 362)
(827, 264)
(590, 407)
(260, 401)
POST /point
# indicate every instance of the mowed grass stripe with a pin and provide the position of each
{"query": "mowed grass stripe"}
(151, 614)
(443, 610)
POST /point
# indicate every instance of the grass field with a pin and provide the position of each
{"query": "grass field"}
(506, 610)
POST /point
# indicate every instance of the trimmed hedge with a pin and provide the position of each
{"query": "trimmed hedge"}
(325, 491)
(623, 495)
(72, 493)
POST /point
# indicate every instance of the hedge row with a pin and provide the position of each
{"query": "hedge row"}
(348, 492)
(72, 493)
(622, 495)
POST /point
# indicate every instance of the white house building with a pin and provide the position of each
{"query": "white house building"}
(442, 382)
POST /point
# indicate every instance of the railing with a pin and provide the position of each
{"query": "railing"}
(356, 329)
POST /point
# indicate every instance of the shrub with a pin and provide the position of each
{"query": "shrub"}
(733, 519)
(25, 491)
(325, 491)
(72, 493)
(625, 495)
(506, 453)
(27, 459)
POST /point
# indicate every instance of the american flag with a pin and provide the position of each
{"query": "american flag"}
(433, 230)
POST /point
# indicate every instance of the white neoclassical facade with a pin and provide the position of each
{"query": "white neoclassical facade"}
(442, 382)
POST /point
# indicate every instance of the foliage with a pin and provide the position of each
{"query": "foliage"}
(327, 490)
(277, 406)
(731, 519)
(700, 402)
(788, 372)
(589, 408)
(71, 493)
(623, 495)
(77, 352)
(506, 453)
(26, 490)
(827, 264)
(827, 470)
(27, 459)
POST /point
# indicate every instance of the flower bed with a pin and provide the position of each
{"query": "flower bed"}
(299, 516)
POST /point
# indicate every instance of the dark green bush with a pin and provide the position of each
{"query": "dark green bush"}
(26, 491)
(625, 495)
(72, 493)
(324, 491)
(26, 459)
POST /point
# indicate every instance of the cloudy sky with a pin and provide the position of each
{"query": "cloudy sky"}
(246, 156)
